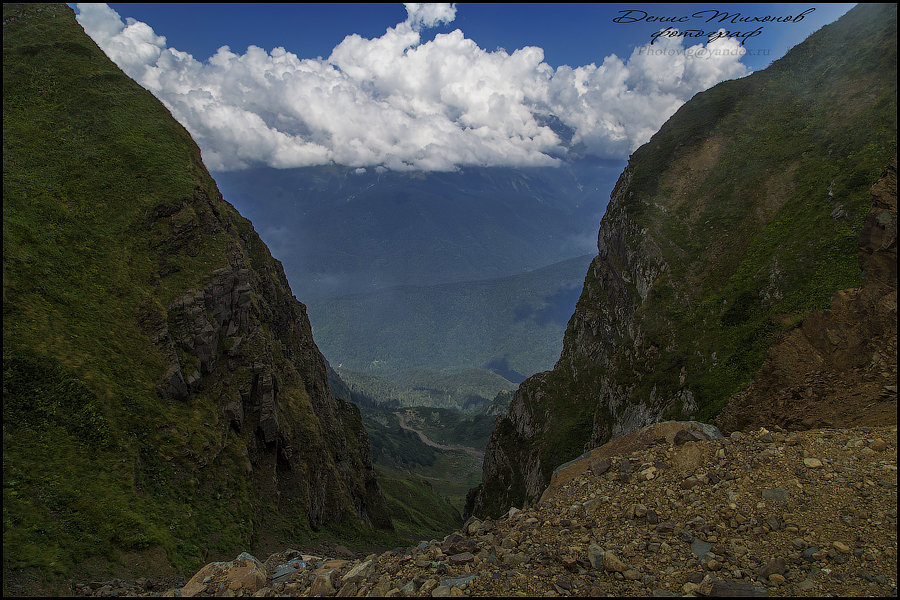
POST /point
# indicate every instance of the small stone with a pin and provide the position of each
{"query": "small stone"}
(441, 591)
(321, 586)
(637, 511)
(595, 556)
(806, 585)
(775, 565)
(779, 494)
(348, 590)
(690, 482)
(665, 527)
(735, 588)
(776, 579)
(513, 560)
(361, 571)
(878, 445)
(631, 574)
(812, 463)
(428, 586)
(462, 558)
(699, 547)
(841, 547)
(613, 563)
(458, 581)
(600, 465)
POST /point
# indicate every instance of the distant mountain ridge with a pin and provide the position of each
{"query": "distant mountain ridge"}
(738, 219)
(339, 232)
(511, 325)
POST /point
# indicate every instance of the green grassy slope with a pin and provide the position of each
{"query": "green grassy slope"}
(418, 510)
(108, 216)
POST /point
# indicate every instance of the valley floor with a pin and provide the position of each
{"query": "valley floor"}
(478, 455)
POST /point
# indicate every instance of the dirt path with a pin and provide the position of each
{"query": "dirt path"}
(477, 454)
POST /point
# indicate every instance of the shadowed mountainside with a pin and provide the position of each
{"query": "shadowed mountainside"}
(163, 399)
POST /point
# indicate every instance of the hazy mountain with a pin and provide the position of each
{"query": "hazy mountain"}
(340, 232)
(512, 326)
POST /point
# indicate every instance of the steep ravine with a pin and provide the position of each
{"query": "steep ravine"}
(739, 218)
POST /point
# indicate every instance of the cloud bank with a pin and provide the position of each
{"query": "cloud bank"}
(399, 103)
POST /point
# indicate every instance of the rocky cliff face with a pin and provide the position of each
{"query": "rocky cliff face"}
(738, 218)
(243, 335)
(162, 388)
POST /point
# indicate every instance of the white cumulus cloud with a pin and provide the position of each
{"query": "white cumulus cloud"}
(429, 14)
(398, 103)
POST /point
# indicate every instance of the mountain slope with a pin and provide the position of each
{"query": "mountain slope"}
(737, 219)
(161, 386)
(838, 366)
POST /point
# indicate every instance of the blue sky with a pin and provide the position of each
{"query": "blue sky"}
(572, 34)
(433, 87)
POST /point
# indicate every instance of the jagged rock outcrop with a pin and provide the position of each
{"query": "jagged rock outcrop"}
(738, 219)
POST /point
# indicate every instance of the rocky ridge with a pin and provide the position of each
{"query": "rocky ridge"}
(664, 511)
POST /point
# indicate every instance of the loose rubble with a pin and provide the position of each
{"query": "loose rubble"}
(762, 513)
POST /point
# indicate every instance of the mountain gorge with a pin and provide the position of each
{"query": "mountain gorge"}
(164, 400)
(511, 326)
(739, 218)
(478, 268)
(166, 406)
